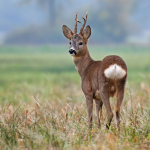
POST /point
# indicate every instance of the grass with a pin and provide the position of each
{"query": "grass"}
(42, 105)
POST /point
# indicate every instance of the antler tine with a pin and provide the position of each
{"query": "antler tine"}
(76, 21)
(85, 19)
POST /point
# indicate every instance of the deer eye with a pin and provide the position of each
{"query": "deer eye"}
(80, 43)
(70, 43)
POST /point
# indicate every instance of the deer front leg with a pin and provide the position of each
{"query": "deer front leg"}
(89, 102)
(99, 105)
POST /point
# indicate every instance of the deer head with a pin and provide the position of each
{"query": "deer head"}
(78, 42)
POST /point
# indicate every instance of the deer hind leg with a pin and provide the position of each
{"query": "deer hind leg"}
(120, 96)
(104, 93)
(99, 105)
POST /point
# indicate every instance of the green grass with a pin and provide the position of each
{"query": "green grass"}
(42, 105)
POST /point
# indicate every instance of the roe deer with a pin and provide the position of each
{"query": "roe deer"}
(100, 79)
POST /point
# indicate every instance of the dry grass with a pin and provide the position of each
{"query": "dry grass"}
(42, 125)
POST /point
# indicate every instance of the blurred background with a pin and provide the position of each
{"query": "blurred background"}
(34, 58)
(40, 21)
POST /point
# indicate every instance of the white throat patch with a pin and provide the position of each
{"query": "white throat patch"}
(114, 72)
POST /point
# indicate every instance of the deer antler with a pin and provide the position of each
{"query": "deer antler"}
(76, 21)
(85, 19)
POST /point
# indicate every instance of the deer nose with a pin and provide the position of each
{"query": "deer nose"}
(71, 51)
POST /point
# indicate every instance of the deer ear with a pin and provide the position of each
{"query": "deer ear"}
(67, 32)
(87, 32)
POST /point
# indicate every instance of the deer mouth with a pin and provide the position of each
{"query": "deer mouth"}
(72, 52)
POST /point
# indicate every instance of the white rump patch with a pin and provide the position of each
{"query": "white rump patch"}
(114, 72)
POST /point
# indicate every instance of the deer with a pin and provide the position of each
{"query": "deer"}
(100, 80)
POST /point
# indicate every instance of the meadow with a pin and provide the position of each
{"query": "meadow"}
(42, 105)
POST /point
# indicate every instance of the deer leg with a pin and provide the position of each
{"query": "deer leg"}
(120, 96)
(99, 105)
(89, 102)
(104, 93)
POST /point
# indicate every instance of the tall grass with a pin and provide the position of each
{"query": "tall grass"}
(42, 105)
(46, 126)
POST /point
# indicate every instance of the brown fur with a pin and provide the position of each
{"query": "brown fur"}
(95, 85)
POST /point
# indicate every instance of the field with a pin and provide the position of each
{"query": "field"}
(42, 105)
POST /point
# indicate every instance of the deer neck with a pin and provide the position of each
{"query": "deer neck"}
(82, 63)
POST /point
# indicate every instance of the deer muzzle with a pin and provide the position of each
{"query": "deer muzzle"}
(72, 52)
